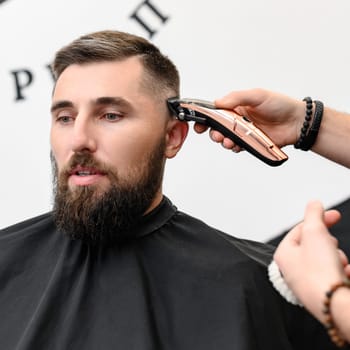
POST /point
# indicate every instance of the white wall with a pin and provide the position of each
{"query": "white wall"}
(296, 47)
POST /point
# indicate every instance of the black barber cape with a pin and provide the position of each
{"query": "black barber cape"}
(178, 284)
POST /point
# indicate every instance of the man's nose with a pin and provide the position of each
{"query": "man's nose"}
(83, 136)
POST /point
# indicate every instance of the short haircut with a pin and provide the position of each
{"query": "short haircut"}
(161, 78)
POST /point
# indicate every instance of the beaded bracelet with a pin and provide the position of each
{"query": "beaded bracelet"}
(315, 127)
(308, 115)
(329, 322)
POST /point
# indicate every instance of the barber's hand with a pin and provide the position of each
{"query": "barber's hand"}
(309, 258)
(279, 116)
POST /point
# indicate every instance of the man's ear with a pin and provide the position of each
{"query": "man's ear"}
(175, 136)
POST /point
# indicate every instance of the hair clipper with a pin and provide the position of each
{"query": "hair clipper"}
(237, 128)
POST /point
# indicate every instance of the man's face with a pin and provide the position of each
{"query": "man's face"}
(109, 138)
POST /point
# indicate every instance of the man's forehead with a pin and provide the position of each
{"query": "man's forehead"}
(101, 79)
(133, 66)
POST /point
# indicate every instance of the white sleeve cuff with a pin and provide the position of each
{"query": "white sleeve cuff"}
(280, 285)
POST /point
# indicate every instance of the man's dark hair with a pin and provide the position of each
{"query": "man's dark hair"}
(161, 78)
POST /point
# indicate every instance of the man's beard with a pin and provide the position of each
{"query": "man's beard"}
(92, 215)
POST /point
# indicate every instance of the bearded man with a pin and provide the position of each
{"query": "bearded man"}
(115, 265)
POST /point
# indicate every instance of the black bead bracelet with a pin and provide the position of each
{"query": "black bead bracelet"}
(300, 144)
(308, 134)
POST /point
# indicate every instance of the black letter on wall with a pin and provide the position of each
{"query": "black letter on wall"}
(146, 4)
(48, 66)
(23, 78)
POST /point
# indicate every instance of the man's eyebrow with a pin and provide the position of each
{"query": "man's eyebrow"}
(113, 101)
(61, 104)
(100, 101)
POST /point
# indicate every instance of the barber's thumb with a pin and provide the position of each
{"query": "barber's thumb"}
(314, 211)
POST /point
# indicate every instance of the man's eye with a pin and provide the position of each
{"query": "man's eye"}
(64, 119)
(112, 117)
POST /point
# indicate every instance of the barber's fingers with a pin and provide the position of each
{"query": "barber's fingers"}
(234, 99)
(343, 258)
(227, 143)
(315, 219)
(347, 270)
(331, 217)
(314, 223)
(200, 128)
(216, 136)
(314, 212)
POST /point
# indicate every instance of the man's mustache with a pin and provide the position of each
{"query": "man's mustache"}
(85, 161)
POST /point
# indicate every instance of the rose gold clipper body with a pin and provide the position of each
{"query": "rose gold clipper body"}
(237, 128)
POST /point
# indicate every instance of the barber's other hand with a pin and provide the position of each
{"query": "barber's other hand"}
(309, 258)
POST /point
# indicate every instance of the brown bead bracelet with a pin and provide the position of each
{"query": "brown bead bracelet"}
(329, 322)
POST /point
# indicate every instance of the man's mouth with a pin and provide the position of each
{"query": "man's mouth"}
(85, 172)
(84, 176)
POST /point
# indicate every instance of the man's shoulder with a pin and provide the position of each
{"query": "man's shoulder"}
(32, 224)
(206, 237)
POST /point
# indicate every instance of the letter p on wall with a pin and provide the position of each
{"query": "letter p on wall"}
(22, 79)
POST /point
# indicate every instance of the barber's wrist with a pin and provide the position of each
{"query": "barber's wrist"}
(340, 298)
(335, 303)
(312, 294)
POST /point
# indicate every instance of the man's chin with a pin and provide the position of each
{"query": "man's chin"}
(100, 215)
